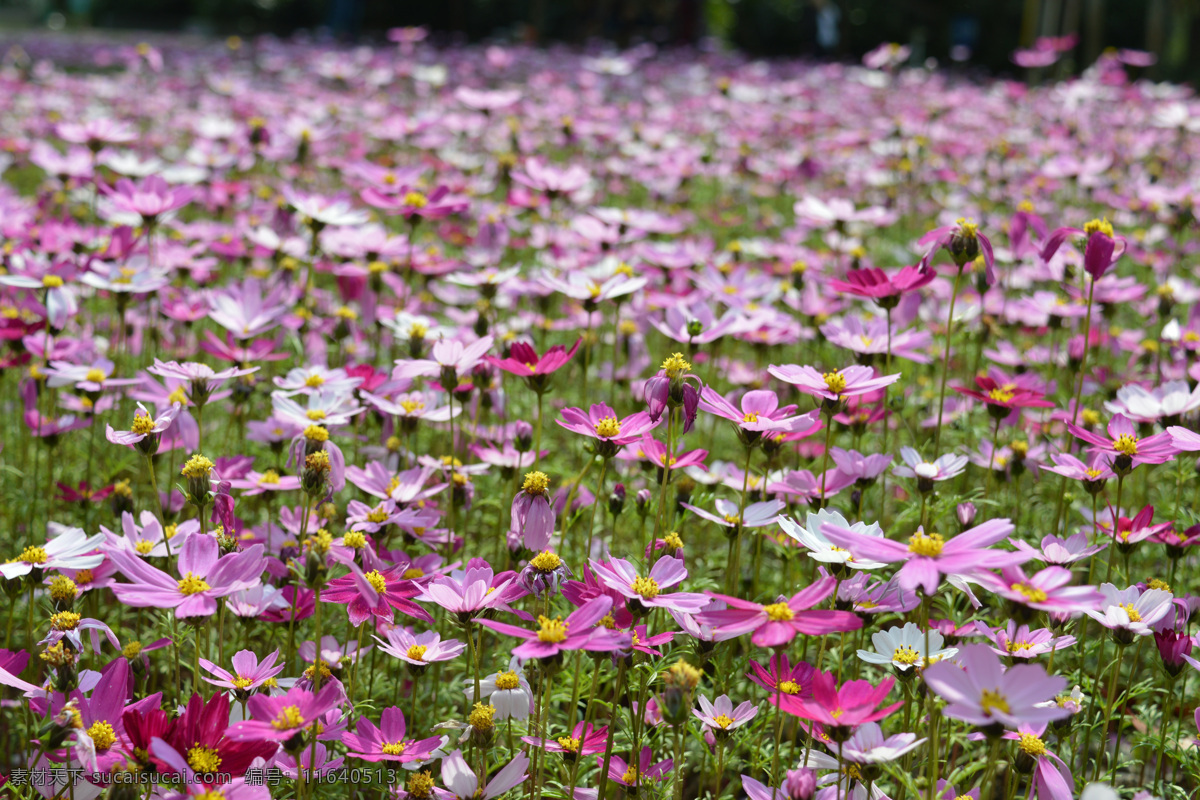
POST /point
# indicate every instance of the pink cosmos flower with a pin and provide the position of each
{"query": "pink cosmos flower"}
(601, 423)
(1056, 550)
(1124, 447)
(721, 717)
(387, 742)
(151, 199)
(248, 672)
(832, 386)
(840, 709)
(781, 676)
(928, 556)
(881, 287)
(450, 358)
(1022, 642)
(280, 717)
(981, 692)
(635, 776)
(206, 576)
(585, 740)
(644, 593)
(579, 631)
(525, 362)
(374, 594)
(779, 622)
(759, 413)
(1048, 590)
(421, 649)
(1130, 612)
(1100, 246)
(756, 515)
(145, 426)
(472, 590)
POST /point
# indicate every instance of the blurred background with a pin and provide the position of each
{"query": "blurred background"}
(972, 34)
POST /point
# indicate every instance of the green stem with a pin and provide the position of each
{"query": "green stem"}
(937, 437)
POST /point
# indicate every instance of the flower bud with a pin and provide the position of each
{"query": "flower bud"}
(616, 501)
(800, 784)
(643, 501)
(966, 515)
(522, 436)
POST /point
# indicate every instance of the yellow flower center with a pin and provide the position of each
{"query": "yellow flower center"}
(197, 467)
(551, 631)
(608, 427)
(545, 561)
(416, 652)
(289, 717)
(1134, 616)
(95, 375)
(315, 414)
(316, 433)
(189, 584)
(1093, 474)
(62, 588)
(750, 417)
(411, 406)
(482, 717)
(676, 365)
(83, 577)
(905, 655)
(507, 681)
(394, 748)
(1098, 226)
(1155, 583)
(1031, 593)
(102, 734)
(412, 573)
(52, 281)
(1016, 647)
(733, 519)
(646, 587)
(132, 650)
(536, 483)
(314, 381)
(203, 759)
(378, 515)
(420, 785)
(178, 396)
(789, 687)
(991, 700)
(1126, 445)
(33, 555)
(142, 425)
(928, 545)
(834, 382)
(967, 228)
(673, 541)
(269, 477)
(241, 683)
(1000, 395)
(1090, 418)
(64, 621)
(723, 722)
(416, 200)
(779, 612)
(377, 581)
(569, 743)
(356, 540)
(1031, 745)
(631, 775)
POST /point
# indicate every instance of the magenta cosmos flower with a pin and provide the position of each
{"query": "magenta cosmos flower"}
(881, 287)
(646, 592)
(832, 386)
(1003, 398)
(1099, 246)
(601, 423)
(387, 742)
(151, 199)
(374, 594)
(840, 709)
(523, 361)
(578, 631)
(982, 692)
(928, 556)
(281, 717)
(635, 775)
(585, 740)
(1125, 447)
(1049, 590)
(206, 576)
(779, 622)
(145, 426)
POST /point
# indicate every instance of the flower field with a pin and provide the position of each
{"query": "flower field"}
(422, 421)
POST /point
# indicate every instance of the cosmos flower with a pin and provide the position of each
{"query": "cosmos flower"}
(387, 742)
(904, 648)
(779, 622)
(981, 692)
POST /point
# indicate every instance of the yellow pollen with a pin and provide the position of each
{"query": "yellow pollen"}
(318, 461)
(630, 777)
(928, 545)
(64, 621)
(83, 577)
(102, 734)
(991, 700)
(314, 381)
(420, 785)
(241, 683)
(1134, 616)
(416, 200)
(608, 427)
(190, 585)
(545, 561)
(315, 414)
(95, 375)
(1090, 417)
(316, 433)
(967, 228)
(673, 541)
(1155, 583)
(905, 655)
(834, 382)
(779, 612)
(411, 406)
(144, 546)
(1098, 226)
(1031, 745)
(1016, 647)
(789, 687)
(412, 573)
(723, 722)
(507, 681)
(551, 631)
(203, 759)
(1126, 445)
(270, 476)
(646, 587)
(378, 515)
(132, 650)
(1000, 395)
(568, 743)
(416, 652)
(178, 396)
(536, 483)
(142, 425)
(394, 748)
(1031, 593)
(377, 581)
(482, 717)
(197, 467)
(289, 717)
(356, 540)
(52, 281)
(1093, 474)
(62, 588)
(33, 555)
(733, 519)
(676, 365)
(750, 417)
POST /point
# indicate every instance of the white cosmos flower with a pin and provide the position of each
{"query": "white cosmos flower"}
(820, 548)
(905, 647)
